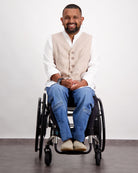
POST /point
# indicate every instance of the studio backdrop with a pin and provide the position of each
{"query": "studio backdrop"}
(24, 27)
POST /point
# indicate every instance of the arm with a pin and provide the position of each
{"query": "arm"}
(48, 61)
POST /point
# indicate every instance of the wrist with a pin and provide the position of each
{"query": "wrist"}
(59, 80)
(84, 82)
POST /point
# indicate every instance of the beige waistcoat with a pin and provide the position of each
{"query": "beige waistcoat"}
(72, 62)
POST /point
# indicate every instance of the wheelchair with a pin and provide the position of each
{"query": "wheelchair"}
(95, 131)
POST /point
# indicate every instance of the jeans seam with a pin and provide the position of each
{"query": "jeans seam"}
(55, 107)
(87, 111)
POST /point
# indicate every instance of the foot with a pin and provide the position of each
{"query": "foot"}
(67, 146)
(79, 146)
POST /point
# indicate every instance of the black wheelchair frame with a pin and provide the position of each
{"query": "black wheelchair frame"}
(95, 130)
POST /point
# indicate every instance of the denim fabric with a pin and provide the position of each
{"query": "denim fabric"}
(83, 99)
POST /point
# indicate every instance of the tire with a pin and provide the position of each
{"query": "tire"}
(97, 145)
(97, 132)
(43, 125)
(48, 156)
(38, 123)
(103, 133)
(98, 158)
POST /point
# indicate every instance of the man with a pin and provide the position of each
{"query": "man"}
(70, 68)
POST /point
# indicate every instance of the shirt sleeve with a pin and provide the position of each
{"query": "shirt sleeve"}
(90, 74)
(48, 60)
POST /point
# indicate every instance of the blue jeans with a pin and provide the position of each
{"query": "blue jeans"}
(83, 99)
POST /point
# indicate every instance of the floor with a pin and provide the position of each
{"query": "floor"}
(19, 156)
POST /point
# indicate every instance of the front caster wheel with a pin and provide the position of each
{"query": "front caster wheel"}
(98, 158)
(48, 156)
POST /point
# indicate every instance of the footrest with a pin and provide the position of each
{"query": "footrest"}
(73, 152)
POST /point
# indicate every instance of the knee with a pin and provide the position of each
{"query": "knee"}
(57, 93)
(55, 89)
(85, 96)
(85, 92)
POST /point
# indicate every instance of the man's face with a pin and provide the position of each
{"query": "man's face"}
(72, 20)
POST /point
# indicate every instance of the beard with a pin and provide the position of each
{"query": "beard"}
(72, 31)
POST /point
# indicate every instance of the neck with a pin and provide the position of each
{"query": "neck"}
(71, 36)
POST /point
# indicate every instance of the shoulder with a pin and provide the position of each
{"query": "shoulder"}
(55, 36)
(59, 34)
(86, 35)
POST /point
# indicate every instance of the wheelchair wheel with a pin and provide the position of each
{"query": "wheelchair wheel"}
(43, 125)
(103, 134)
(38, 123)
(99, 131)
(97, 144)
(98, 158)
(48, 156)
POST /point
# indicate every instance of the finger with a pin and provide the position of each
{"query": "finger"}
(73, 87)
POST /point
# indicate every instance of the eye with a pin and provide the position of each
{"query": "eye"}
(67, 17)
(75, 17)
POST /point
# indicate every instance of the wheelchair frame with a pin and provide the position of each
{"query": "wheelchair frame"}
(95, 132)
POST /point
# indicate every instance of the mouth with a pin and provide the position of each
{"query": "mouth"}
(71, 25)
(72, 28)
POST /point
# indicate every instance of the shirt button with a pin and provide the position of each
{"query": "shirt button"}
(72, 57)
(73, 65)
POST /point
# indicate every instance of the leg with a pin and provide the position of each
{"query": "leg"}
(83, 98)
(58, 98)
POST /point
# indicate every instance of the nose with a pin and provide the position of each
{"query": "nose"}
(71, 20)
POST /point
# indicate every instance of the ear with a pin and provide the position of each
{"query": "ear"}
(61, 20)
(82, 19)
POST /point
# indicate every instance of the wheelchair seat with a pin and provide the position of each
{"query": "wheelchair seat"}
(95, 130)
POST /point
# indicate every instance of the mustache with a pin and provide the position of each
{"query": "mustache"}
(71, 24)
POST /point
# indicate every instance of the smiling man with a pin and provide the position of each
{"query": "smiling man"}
(70, 70)
(72, 20)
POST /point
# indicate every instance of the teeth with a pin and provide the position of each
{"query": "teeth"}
(71, 24)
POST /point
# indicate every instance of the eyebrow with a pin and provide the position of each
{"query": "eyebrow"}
(69, 16)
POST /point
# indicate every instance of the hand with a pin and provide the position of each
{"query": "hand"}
(67, 83)
(77, 84)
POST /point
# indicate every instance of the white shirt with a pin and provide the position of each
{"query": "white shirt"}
(50, 67)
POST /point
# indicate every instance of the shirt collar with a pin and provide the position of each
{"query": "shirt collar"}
(68, 38)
